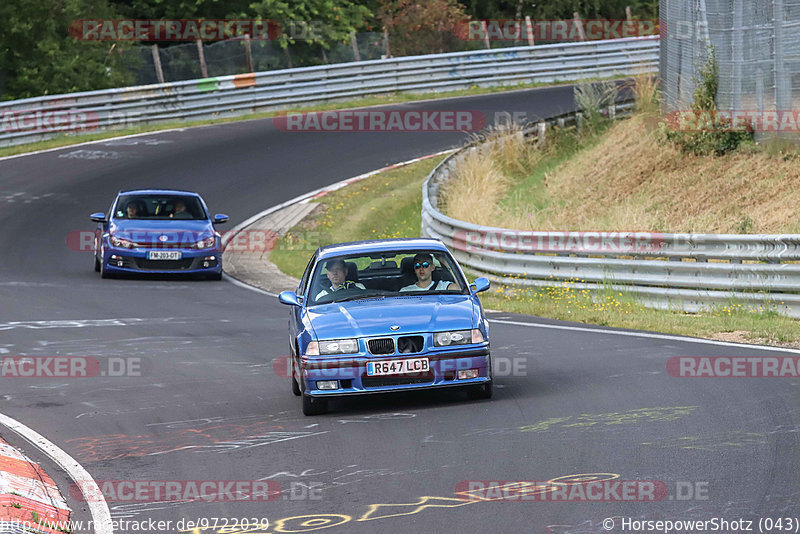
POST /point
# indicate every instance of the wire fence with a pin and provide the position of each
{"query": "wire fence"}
(756, 47)
(182, 62)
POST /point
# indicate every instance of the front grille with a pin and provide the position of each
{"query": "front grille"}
(382, 345)
(385, 381)
(410, 344)
(164, 265)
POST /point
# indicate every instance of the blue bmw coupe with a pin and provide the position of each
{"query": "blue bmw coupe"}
(388, 315)
(158, 231)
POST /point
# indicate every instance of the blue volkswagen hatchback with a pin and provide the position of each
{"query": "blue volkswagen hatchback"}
(158, 231)
(388, 315)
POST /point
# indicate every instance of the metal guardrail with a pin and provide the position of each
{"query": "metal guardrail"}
(34, 119)
(688, 271)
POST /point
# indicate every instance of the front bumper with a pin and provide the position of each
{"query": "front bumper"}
(123, 260)
(351, 372)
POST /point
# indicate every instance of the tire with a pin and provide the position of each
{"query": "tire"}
(103, 272)
(484, 391)
(296, 388)
(215, 276)
(312, 406)
(96, 264)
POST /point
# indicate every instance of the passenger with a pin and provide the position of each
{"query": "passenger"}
(337, 274)
(180, 211)
(423, 268)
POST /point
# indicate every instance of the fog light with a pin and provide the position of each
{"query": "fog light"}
(205, 264)
(466, 374)
(327, 384)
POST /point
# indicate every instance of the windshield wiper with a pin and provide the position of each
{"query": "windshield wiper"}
(361, 297)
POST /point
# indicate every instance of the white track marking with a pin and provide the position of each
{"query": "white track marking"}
(646, 335)
(96, 141)
(94, 498)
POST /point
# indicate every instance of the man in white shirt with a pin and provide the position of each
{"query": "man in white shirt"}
(337, 274)
(423, 268)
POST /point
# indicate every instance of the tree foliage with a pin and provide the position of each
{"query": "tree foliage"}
(38, 56)
(421, 27)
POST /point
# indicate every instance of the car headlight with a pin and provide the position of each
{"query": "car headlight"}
(335, 346)
(209, 242)
(119, 242)
(456, 337)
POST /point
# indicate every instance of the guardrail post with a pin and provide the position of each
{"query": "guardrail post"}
(248, 52)
(201, 54)
(612, 111)
(529, 30)
(354, 45)
(541, 133)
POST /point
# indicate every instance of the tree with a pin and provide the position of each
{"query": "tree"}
(38, 56)
(422, 27)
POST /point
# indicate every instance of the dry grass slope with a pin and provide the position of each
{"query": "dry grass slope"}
(633, 180)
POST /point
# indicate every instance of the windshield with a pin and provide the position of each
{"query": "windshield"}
(165, 207)
(384, 274)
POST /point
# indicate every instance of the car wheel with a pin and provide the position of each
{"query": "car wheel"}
(484, 391)
(296, 388)
(312, 406)
(215, 276)
(103, 271)
(96, 264)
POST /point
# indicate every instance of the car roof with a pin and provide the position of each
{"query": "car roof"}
(380, 245)
(159, 192)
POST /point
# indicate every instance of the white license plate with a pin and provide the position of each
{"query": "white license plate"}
(163, 255)
(395, 367)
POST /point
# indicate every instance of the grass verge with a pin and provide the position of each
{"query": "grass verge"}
(389, 205)
(386, 205)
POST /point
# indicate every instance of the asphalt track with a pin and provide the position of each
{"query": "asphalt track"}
(212, 407)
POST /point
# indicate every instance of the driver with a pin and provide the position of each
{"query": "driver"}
(337, 274)
(134, 209)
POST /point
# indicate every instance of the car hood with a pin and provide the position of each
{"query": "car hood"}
(176, 230)
(368, 318)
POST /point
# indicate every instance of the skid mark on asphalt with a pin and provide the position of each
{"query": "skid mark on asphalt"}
(213, 434)
(102, 323)
(713, 442)
(605, 421)
(224, 437)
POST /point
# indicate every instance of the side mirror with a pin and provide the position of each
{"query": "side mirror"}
(290, 298)
(480, 284)
(98, 217)
(220, 218)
